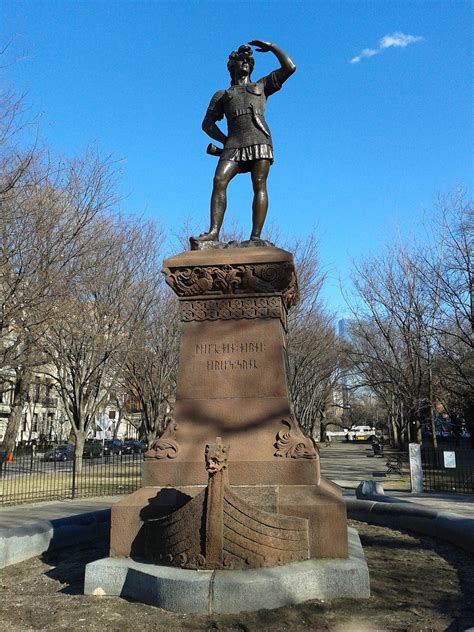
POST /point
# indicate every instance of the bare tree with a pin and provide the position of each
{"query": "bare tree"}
(48, 221)
(447, 271)
(411, 337)
(315, 370)
(150, 369)
(313, 349)
(391, 329)
(109, 295)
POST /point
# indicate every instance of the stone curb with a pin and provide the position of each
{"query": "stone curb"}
(393, 512)
(23, 542)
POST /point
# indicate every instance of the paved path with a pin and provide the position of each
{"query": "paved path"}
(36, 512)
(349, 463)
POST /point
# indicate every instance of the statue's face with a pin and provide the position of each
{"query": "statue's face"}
(241, 67)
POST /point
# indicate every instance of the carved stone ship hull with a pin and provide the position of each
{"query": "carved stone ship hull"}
(217, 529)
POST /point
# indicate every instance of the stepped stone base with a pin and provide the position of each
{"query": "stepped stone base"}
(180, 590)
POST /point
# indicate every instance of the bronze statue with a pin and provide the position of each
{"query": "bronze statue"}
(248, 144)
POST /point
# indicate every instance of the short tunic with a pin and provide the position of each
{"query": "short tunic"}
(248, 135)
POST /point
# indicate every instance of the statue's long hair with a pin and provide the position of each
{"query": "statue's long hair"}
(243, 52)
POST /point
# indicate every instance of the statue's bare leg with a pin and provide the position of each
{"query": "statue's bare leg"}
(225, 171)
(260, 169)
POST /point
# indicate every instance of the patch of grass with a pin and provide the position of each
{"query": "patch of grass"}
(98, 479)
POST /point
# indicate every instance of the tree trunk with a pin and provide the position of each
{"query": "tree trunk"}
(322, 425)
(14, 420)
(469, 420)
(80, 438)
(418, 431)
(434, 440)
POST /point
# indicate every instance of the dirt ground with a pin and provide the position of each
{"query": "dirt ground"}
(417, 584)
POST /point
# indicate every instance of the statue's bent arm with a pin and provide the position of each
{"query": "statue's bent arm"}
(209, 126)
(287, 67)
(214, 113)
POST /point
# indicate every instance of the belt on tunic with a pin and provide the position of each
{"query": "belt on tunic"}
(249, 110)
(256, 114)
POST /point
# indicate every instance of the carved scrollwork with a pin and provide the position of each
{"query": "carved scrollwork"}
(165, 446)
(293, 443)
(233, 308)
(266, 278)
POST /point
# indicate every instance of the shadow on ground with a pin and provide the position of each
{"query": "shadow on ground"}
(68, 565)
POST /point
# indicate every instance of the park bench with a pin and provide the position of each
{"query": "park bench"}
(394, 464)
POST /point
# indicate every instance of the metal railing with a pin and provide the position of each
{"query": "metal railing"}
(31, 478)
(444, 472)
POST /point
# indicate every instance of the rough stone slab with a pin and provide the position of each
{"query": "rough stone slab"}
(367, 489)
(173, 589)
(203, 592)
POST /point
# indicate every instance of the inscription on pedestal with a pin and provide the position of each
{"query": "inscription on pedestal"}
(230, 356)
(220, 360)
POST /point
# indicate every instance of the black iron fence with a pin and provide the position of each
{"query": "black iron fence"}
(448, 469)
(32, 478)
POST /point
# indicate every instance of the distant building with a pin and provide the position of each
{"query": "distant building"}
(44, 419)
(342, 327)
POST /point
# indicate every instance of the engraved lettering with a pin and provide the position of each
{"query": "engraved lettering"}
(231, 365)
(230, 349)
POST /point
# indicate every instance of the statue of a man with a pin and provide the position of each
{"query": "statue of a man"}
(248, 144)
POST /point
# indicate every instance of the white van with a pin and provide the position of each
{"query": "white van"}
(360, 433)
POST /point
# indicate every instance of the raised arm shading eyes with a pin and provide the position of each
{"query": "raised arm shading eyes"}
(287, 67)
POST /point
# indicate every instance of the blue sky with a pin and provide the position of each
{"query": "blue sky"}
(361, 148)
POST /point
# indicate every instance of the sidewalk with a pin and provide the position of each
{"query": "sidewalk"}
(21, 515)
(30, 530)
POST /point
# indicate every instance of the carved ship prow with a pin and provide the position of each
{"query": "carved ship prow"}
(219, 530)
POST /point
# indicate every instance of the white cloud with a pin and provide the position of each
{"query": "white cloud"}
(367, 52)
(399, 40)
(391, 40)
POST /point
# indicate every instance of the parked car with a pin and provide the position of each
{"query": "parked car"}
(63, 452)
(133, 447)
(112, 446)
(92, 449)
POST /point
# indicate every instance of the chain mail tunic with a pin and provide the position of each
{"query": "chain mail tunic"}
(248, 135)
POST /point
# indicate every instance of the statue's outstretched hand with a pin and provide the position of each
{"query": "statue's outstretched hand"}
(263, 47)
